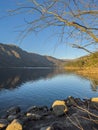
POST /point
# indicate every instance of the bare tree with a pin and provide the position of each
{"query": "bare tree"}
(77, 20)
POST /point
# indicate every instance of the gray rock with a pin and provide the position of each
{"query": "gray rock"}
(3, 123)
(47, 128)
(24, 119)
(15, 125)
(32, 108)
(50, 117)
(12, 117)
(33, 116)
(43, 128)
(79, 101)
(93, 105)
(76, 119)
(71, 101)
(59, 108)
(13, 110)
(56, 126)
(44, 108)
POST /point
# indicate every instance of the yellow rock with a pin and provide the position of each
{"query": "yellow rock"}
(15, 125)
(59, 107)
(95, 99)
(58, 102)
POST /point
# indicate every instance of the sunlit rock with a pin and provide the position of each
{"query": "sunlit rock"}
(59, 108)
(95, 99)
(33, 116)
(15, 125)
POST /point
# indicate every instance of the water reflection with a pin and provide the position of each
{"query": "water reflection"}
(13, 78)
(93, 78)
(32, 86)
(94, 85)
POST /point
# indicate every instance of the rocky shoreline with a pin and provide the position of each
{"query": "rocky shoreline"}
(69, 114)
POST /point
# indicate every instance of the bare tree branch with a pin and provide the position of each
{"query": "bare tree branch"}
(77, 15)
(93, 12)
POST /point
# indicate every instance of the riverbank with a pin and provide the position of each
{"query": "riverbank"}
(91, 70)
(69, 114)
(91, 73)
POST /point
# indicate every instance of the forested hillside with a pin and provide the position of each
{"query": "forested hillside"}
(88, 61)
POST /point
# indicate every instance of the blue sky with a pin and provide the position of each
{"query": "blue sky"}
(44, 42)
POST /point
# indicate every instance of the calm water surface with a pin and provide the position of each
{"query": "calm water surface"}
(41, 86)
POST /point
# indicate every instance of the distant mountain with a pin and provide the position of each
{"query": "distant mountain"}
(13, 56)
(88, 61)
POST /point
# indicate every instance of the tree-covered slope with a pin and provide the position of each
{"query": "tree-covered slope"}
(85, 62)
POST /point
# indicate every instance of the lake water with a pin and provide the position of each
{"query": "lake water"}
(25, 87)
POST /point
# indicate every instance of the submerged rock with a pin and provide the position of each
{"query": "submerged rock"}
(59, 108)
(32, 108)
(13, 110)
(15, 125)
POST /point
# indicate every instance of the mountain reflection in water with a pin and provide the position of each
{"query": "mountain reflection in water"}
(14, 77)
(41, 86)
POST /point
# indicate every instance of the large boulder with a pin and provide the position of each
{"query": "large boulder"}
(59, 107)
(15, 125)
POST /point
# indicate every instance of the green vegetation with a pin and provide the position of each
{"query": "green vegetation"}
(90, 61)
